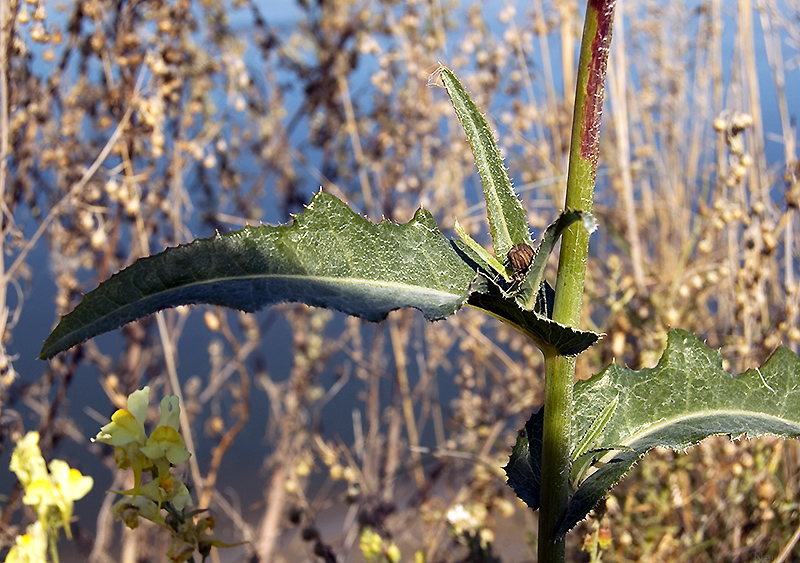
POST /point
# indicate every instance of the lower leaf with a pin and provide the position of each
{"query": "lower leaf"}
(684, 399)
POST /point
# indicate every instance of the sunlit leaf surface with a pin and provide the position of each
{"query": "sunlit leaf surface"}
(676, 404)
(328, 257)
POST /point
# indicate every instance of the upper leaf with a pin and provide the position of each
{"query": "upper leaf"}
(328, 257)
(507, 219)
(682, 400)
(526, 296)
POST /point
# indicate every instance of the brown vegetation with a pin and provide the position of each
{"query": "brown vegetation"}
(126, 127)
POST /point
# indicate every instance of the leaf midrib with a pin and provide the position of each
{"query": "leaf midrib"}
(654, 428)
(411, 288)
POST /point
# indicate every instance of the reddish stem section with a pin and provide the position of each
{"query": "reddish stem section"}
(595, 86)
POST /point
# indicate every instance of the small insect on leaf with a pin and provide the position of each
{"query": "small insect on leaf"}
(520, 257)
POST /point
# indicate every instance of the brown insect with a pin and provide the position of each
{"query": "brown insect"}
(520, 257)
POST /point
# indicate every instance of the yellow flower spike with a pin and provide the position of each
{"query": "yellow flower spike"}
(170, 412)
(176, 492)
(122, 430)
(40, 495)
(393, 553)
(129, 456)
(27, 461)
(180, 550)
(166, 442)
(370, 544)
(129, 511)
(150, 491)
(31, 547)
(137, 404)
(183, 499)
(127, 426)
(121, 457)
(70, 482)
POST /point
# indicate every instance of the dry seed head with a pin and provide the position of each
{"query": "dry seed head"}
(742, 120)
(19, 45)
(97, 41)
(736, 144)
(215, 426)
(86, 221)
(132, 206)
(23, 16)
(39, 33)
(98, 239)
(40, 13)
(673, 316)
(112, 189)
(350, 475)
(131, 40)
(212, 321)
(507, 14)
(303, 467)
(770, 242)
(772, 341)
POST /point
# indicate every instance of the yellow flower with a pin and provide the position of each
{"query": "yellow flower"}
(166, 442)
(127, 426)
(31, 547)
(51, 493)
(27, 461)
(134, 449)
(370, 544)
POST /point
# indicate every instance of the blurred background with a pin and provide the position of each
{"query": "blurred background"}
(130, 126)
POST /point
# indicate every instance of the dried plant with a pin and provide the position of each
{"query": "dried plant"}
(128, 127)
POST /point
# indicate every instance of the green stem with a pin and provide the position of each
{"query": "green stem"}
(560, 370)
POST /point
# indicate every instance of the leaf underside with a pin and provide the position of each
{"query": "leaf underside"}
(684, 399)
(328, 257)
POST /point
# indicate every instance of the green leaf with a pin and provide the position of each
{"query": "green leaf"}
(545, 333)
(483, 259)
(598, 425)
(328, 257)
(526, 296)
(681, 401)
(507, 219)
(684, 399)
(524, 468)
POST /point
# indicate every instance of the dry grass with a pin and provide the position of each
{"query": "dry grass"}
(126, 127)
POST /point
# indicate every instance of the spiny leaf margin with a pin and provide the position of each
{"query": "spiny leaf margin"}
(755, 403)
(328, 257)
(508, 221)
(709, 401)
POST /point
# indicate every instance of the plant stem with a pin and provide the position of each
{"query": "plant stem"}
(560, 370)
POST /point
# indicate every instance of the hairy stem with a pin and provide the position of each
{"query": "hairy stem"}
(560, 370)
